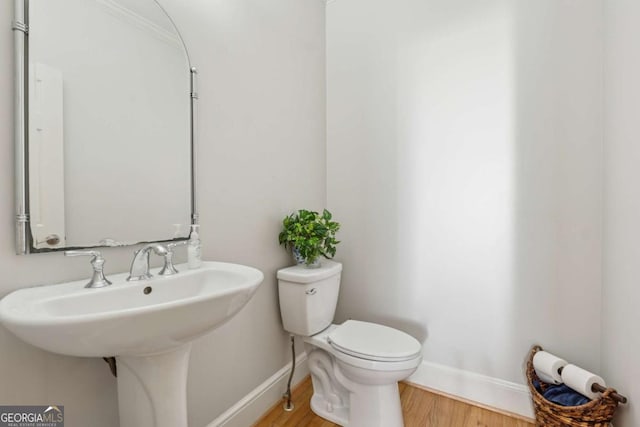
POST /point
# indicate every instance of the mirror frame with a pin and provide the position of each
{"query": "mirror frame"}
(24, 237)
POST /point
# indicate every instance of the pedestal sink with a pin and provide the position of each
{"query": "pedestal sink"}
(148, 325)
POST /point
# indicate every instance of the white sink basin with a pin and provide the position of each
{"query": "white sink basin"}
(121, 320)
(148, 325)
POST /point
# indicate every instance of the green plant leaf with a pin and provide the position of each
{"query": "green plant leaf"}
(311, 233)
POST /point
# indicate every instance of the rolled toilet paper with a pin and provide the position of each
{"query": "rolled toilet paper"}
(581, 380)
(548, 366)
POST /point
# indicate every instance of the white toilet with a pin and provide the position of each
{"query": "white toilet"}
(355, 367)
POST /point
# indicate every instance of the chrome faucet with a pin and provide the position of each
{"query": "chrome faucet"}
(140, 265)
(97, 263)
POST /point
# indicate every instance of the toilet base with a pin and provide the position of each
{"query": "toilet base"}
(376, 406)
(370, 406)
(339, 416)
(346, 402)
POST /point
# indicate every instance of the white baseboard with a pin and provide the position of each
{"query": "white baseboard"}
(487, 391)
(254, 405)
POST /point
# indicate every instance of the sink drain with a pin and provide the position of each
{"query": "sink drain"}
(147, 290)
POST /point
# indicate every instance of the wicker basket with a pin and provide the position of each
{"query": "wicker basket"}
(597, 413)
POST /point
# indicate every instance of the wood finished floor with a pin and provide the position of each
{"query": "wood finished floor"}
(420, 408)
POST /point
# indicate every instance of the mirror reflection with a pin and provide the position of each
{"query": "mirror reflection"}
(109, 124)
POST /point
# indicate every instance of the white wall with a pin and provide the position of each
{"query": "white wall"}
(262, 114)
(621, 317)
(464, 161)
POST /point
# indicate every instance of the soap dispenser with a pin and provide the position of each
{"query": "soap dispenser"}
(194, 255)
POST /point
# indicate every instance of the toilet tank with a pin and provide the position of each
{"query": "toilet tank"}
(308, 297)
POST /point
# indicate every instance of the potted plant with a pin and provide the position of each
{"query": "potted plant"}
(309, 235)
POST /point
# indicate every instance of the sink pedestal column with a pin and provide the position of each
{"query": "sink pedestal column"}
(152, 390)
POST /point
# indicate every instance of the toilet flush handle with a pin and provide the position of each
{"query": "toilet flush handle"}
(311, 291)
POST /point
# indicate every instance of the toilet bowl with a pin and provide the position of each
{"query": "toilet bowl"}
(355, 366)
(356, 389)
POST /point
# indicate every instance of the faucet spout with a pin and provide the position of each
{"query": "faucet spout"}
(140, 264)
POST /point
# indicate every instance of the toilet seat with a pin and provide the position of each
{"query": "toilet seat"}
(370, 341)
(321, 340)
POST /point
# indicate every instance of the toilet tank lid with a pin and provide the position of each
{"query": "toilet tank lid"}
(303, 274)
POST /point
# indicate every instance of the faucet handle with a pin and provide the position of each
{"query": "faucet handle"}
(169, 269)
(95, 254)
(98, 280)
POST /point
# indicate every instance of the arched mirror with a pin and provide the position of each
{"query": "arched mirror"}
(105, 99)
